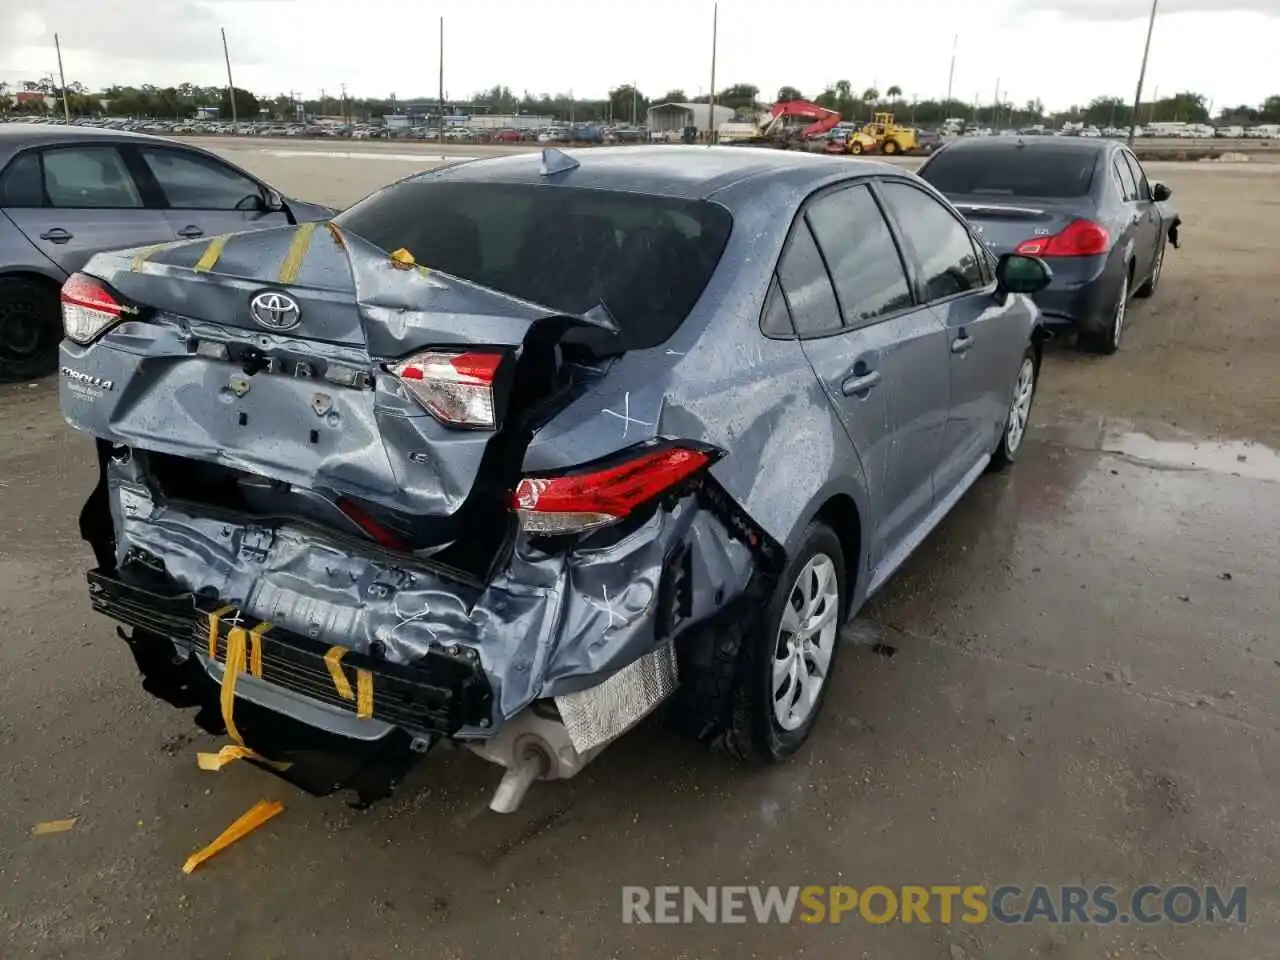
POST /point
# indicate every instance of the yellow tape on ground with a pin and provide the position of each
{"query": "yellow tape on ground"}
(291, 266)
(215, 619)
(333, 660)
(212, 252)
(213, 762)
(255, 648)
(364, 694)
(256, 816)
(231, 672)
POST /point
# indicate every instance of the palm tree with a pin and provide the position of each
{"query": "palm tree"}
(894, 93)
(870, 96)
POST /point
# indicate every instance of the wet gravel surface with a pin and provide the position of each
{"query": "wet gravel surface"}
(1074, 681)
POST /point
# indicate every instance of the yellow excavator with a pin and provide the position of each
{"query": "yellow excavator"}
(881, 135)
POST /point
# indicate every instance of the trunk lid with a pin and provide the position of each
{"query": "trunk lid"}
(1004, 222)
(295, 389)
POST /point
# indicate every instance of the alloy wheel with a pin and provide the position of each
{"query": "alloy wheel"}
(806, 637)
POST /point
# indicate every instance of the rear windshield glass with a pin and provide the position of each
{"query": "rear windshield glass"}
(646, 258)
(1012, 173)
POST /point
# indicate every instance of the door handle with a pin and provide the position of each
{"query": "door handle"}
(190, 232)
(859, 383)
(56, 235)
(962, 343)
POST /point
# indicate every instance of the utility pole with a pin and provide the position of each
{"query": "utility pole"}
(634, 97)
(62, 78)
(440, 119)
(1142, 74)
(711, 100)
(951, 76)
(995, 106)
(231, 87)
(346, 119)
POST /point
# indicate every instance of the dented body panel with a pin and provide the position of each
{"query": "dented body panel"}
(230, 440)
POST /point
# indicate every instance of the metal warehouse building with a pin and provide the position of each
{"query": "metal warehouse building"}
(676, 116)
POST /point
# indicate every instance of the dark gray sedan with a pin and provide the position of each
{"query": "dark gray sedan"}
(1084, 205)
(69, 192)
(512, 451)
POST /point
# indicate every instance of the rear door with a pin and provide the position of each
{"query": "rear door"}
(203, 197)
(881, 358)
(984, 341)
(73, 202)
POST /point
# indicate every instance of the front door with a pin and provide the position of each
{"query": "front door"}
(80, 201)
(984, 349)
(886, 370)
(203, 197)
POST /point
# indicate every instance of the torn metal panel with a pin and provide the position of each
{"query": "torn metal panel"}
(547, 625)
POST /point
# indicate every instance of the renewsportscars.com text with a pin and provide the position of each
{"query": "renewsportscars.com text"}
(973, 904)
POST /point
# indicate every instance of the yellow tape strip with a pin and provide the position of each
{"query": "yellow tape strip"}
(364, 694)
(333, 660)
(256, 816)
(52, 826)
(213, 762)
(230, 673)
(143, 255)
(211, 254)
(215, 619)
(255, 648)
(292, 264)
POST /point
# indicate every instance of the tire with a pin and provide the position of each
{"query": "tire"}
(765, 726)
(1018, 417)
(1148, 289)
(1107, 340)
(855, 148)
(30, 328)
(891, 148)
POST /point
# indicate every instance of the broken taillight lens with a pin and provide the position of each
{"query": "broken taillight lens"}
(88, 308)
(456, 388)
(595, 497)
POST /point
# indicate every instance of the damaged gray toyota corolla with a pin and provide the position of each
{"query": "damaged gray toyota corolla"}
(515, 450)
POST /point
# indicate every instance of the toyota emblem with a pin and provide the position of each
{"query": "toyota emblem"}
(275, 311)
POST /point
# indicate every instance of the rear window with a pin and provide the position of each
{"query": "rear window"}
(646, 258)
(1054, 174)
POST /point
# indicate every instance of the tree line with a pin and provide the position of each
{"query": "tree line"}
(624, 104)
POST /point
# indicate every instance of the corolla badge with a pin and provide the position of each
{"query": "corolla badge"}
(275, 311)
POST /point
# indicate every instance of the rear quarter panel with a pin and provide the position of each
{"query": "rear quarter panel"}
(719, 380)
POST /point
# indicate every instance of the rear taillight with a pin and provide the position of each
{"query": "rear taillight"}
(1079, 238)
(88, 308)
(457, 388)
(597, 496)
(375, 530)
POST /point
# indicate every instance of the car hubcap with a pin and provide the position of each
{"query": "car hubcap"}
(1020, 409)
(20, 330)
(806, 636)
(1121, 308)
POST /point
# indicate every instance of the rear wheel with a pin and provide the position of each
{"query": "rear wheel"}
(1107, 340)
(855, 148)
(891, 148)
(30, 328)
(782, 675)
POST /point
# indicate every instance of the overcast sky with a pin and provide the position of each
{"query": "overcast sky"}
(1062, 51)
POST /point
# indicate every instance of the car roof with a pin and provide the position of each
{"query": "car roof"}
(15, 137)
(686, 172)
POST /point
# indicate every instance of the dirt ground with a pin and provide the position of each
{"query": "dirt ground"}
(1075, 683)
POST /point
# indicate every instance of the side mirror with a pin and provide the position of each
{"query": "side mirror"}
(1160, 192)
(1016, 273)
(272, 202)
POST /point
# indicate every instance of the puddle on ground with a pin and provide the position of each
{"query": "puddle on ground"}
(1239, 458)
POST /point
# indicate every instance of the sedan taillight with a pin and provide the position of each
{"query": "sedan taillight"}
(597, 496)
(88, 308)
(456, 388)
